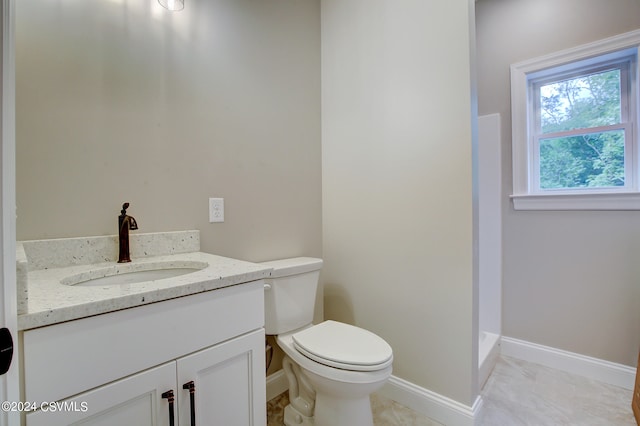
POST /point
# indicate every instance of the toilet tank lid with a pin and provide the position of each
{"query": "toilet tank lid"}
(294, 266)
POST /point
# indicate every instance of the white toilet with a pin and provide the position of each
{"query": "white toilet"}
(332, 367)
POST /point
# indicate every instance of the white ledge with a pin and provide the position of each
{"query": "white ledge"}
(592, 201)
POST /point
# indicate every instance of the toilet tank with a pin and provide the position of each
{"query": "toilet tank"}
(290, 294)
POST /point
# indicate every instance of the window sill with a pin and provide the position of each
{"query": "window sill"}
(593, 201)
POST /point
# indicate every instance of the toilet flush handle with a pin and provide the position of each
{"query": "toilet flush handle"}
(267, 286)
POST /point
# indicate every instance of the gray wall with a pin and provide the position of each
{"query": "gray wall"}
(570, 279)
(397, 182)
(124, 101)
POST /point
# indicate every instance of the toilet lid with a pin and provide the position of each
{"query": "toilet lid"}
(344, 346)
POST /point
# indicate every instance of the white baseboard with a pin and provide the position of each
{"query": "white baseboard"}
(276, 384)
(433, 405)
(593, 368)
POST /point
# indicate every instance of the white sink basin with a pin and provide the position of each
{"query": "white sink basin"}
(131, 273)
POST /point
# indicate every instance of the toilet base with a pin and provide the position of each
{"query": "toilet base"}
(339, 411)
(333, 412)
(292, 417)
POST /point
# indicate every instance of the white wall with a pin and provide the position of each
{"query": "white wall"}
(397, 182)
(490, 228)
(121, 100)
(570, 278)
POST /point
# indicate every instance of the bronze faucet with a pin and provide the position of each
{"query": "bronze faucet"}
(125, 223)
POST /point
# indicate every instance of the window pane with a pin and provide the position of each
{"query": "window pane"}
(581, 102)
(591, 160)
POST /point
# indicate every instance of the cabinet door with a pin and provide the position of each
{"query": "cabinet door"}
(135, 400)
(229, 381)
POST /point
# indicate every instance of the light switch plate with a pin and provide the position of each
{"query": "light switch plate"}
(216, 210)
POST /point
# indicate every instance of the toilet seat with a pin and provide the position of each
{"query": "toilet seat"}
(343, 346)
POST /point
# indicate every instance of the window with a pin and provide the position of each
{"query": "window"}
(575, 140)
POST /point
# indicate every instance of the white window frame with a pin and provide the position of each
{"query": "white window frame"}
(526, 193)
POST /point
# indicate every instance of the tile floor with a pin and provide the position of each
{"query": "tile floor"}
(518, 393)
(522, 393)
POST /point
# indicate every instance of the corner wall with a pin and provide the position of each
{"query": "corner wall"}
(397, 183)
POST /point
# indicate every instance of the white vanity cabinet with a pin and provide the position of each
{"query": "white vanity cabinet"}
(225, 378)
(135, 400)
(112, 369)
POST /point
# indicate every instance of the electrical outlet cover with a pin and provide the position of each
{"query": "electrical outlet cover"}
(216, 210)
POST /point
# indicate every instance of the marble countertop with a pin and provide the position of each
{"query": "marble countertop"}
(47, 300)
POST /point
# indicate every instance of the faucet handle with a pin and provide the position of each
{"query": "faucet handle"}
(125, 206)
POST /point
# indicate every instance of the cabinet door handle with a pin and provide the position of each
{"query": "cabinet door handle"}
(170, 398)
(192, 399)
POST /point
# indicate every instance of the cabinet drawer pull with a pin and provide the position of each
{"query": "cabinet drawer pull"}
(192, 399)
(170, 398)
